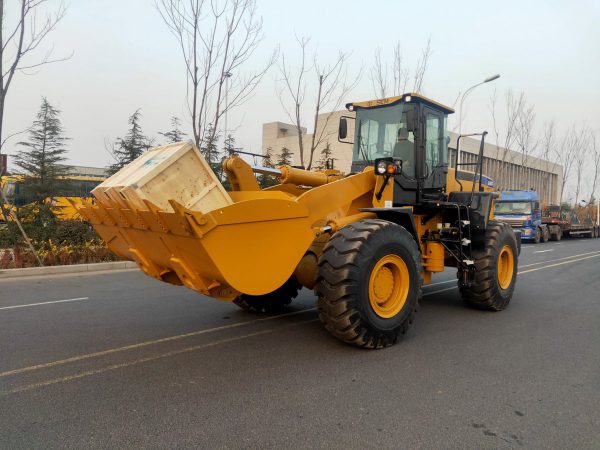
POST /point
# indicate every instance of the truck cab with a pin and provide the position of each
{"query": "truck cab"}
(521, 210)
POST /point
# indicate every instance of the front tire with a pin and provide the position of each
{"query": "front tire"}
(496, 263)
(369, 283)
(275, 302)
(538, 236)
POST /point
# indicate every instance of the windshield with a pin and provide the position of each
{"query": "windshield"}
(512, 208)
(380, 132)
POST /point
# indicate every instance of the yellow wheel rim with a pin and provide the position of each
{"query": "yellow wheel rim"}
(506, 266)
(388, 286)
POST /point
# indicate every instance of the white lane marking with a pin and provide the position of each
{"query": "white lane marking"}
(440, 290)
(522, 272)
(235, 325)
(523, 266)
(560, 259)
(557, 264)
(544, 251)
(148, 359)
(45, 303)
(147, 343)
(439, 282)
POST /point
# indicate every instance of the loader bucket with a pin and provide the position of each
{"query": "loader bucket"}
(168, 212)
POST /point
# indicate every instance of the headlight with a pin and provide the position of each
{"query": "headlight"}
(381, 167)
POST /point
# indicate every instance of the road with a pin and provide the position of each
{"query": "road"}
(118, 360)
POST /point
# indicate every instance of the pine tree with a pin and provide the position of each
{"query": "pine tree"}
(43, 156)
(229, 144)
(210, 151)
(285, 157)
(228, 148)
(325, 157)
(266, 181)
(126, 149)
(175, 134)
(268, 159)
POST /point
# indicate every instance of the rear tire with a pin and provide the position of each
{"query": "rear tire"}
(496, 262)
(557, 236)
(274, 302)
(369, 283)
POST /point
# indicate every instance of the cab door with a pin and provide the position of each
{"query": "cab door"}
(434, 150)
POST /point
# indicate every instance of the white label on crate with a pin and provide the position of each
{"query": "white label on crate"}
(387, 204)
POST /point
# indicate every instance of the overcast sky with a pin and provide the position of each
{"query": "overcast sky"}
(124, 59)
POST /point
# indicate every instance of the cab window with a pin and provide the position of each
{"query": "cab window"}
(433, 143)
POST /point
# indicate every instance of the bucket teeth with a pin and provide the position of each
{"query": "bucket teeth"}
(151, 213)
(182, 213)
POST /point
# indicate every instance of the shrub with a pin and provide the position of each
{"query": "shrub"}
(53, 254)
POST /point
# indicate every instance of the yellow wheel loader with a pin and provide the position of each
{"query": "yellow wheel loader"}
(366, 242)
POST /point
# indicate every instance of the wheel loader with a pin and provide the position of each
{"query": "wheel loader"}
(365, 242)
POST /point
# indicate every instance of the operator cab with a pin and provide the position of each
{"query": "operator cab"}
(410, 130)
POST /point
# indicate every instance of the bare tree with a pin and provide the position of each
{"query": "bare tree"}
(216, 39)
(19, 42)
(331, 83)
(506, 137)
(566, 155)
(582, 139)
(595, 154)
(294, 88)
(379, 74)
(547, 154)
(18, 45)
(400, 74)
(421, 69)
(526, 140)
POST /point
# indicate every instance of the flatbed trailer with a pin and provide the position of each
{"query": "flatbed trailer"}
(563, 224)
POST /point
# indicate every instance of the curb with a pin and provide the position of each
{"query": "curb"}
(75, 268)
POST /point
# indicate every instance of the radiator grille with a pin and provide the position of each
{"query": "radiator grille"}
(515, 223)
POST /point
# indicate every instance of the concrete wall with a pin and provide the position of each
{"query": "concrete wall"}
(509, 169)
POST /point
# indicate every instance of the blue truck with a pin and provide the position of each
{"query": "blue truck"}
(521, 210)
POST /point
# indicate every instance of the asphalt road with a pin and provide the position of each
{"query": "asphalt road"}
(118, 360)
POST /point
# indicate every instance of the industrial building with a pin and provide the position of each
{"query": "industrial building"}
(509, 169)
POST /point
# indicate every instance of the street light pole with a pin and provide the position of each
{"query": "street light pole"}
(460, 109)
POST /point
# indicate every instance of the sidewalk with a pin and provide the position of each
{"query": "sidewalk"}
(75, 268)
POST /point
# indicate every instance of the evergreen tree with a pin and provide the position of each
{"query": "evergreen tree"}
(325, 157)
(268, 159)
(266, 181)
(43, 156)
(175, 134)
(210, 151)
(285, 157)
(228, 148)
(134, 143)
(229, 144)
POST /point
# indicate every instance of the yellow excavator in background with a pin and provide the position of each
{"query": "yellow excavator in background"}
(366, 242)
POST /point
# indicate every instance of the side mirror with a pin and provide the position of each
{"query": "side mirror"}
(343, 128)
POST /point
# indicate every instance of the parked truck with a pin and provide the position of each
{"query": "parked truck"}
(521, 210)
(582, 221)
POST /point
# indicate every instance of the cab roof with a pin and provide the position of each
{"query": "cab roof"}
(404, 98)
